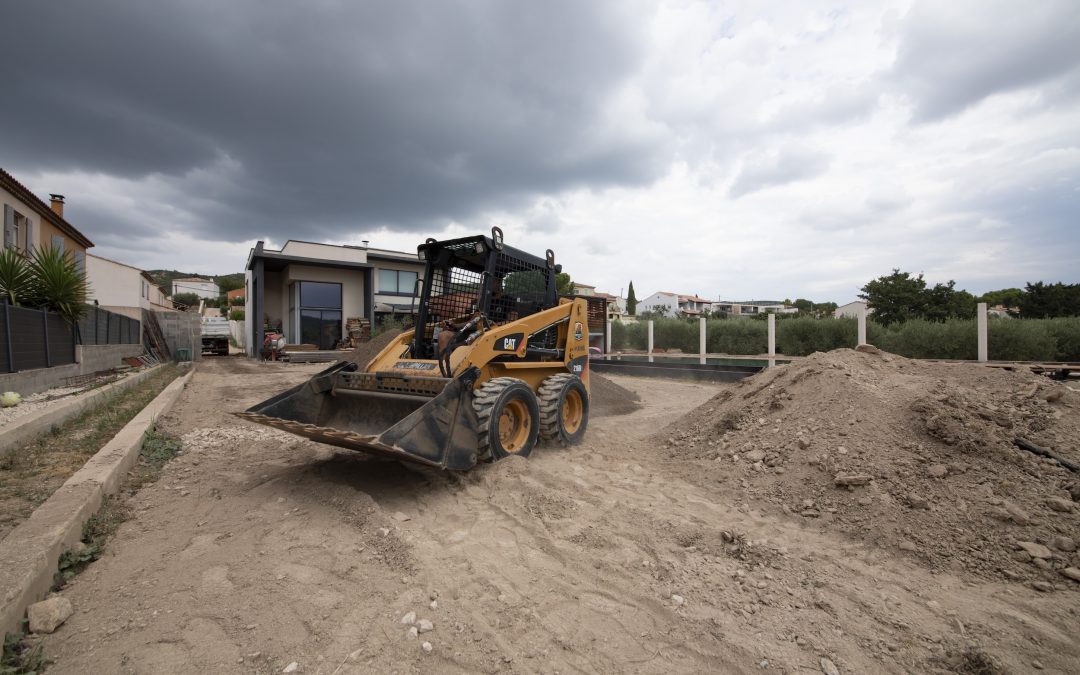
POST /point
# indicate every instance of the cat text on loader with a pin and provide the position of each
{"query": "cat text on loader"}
(495, 360)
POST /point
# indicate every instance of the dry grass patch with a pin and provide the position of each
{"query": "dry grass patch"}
(31, 473)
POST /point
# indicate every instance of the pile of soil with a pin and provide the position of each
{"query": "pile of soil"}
(910, 456)
(366, 351)
(607, 399)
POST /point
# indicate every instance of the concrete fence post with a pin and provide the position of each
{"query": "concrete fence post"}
(607, 337)
(772, 339)
(862, 327)
(701, 338)
(650, 340)
(984, 354)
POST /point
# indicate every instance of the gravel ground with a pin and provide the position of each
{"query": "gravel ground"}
(47, 399)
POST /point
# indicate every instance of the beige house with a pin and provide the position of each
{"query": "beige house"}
(307, 291)
(31, 223)
(122, 288)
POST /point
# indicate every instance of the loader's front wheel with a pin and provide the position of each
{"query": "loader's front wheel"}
(508, 414)
(564, 408)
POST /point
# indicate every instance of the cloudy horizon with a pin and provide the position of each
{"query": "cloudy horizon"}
(727, 149)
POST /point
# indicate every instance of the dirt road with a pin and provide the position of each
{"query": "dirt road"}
(257, 550)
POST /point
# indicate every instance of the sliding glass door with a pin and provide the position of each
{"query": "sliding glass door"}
(320, 313)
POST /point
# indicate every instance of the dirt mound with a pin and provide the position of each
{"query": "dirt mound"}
(608, 399)
(905, 455)
(370, 349)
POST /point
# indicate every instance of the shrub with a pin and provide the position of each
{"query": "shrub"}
(922, 339)
(805, 335)
(1066, 334)
(236, 315)
(738, 336)
(679, 334)
(1020, 340)
(628, 335)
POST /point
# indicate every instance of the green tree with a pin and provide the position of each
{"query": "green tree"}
(1006, 297)
(943, 301)
(563, 284)
(810, 308)
(230, 282)
(896, 297)
(631, 300)
(1044, 301)
(825, 309)
(189, 299)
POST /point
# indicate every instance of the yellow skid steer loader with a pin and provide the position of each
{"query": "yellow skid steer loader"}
(495, 360)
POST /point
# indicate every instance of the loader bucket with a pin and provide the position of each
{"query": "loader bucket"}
(439, 431)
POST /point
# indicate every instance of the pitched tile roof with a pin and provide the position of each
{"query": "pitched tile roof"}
(44, 210)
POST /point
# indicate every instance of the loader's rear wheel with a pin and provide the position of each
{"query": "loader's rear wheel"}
(564, 408)
(508, 414)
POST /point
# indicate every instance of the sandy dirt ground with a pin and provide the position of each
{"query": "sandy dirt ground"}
(257, 550)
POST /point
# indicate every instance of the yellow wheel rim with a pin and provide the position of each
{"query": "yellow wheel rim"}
(514, 423)
(573, 411)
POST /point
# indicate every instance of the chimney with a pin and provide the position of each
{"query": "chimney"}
(57, 204)
(364, 243)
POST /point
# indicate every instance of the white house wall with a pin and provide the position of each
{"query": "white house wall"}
(656, 300)
(204, 289)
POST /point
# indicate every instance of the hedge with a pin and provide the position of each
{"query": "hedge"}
(1008, 339)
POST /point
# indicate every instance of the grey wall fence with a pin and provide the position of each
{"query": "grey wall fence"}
(102, 327)
(182, 331)
(35, 338)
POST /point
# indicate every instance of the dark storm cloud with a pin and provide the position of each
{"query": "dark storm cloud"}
(952, 56)
(323, 118)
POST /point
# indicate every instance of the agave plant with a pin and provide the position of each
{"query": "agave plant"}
(16, 280)
(58, 284)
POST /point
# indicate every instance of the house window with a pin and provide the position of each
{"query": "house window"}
(320, 313)
(397, 282)
(18, 231)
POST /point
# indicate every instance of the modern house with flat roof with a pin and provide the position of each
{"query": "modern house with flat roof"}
(307, 291)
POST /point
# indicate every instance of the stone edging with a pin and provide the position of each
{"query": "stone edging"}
(30, 553)
(24, 429)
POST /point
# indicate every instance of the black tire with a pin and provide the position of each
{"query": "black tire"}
(564, 409)
(509, 418)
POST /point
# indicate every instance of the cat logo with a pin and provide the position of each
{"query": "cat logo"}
(509, 343)
(578, 331)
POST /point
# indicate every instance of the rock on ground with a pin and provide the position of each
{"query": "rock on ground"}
(47, 615)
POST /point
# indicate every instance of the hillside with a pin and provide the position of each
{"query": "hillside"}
(226, 282)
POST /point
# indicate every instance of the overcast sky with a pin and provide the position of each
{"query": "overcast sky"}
(729, 149)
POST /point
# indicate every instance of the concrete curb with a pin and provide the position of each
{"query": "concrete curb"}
(25, 429)
(30, 553)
